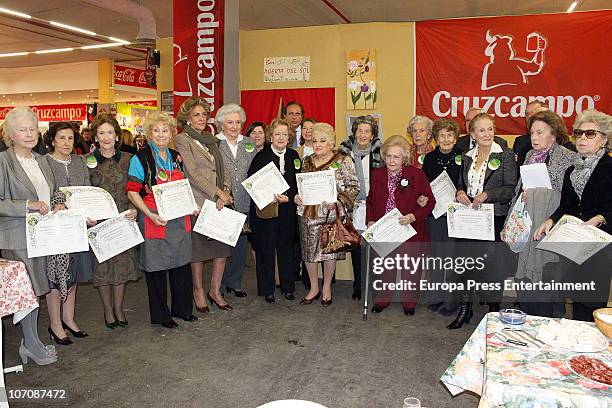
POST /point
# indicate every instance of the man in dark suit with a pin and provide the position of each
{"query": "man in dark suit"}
(293, 113)
(522, 144)
(466, 142)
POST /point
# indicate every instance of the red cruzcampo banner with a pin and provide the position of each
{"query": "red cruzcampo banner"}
(131, 76)
(501, 63)
(198, 51)
(54, 113)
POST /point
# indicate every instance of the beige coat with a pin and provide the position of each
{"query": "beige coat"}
(200, 169)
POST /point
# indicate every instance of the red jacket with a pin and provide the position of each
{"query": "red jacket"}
(405, 198)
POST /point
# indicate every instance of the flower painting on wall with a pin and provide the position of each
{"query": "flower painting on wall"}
(361, 79)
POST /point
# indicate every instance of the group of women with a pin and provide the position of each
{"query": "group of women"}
(378, 176)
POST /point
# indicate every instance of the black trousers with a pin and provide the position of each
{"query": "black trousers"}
(181, 288)
(275, 241)
(356, 263)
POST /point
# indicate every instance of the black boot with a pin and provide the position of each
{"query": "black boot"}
(463, 317)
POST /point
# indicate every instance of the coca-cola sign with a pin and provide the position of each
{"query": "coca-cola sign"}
(131, 76)
(500, 64)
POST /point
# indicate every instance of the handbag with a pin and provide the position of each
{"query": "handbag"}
(517, 229)
(339, 236)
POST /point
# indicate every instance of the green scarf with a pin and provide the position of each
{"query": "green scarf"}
(212, 144)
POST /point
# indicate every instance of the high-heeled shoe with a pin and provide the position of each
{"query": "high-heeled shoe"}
(110, 325)
(326, 302)
(409, 311)
(64, 341)
(75, 333)
(236, 292)
(227, 306)
(377, 308)
(24, 353)
(306, 301)
(434, 307)
(463, 317)
(356, 294)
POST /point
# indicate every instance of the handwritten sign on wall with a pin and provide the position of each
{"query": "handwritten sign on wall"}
(286, 69)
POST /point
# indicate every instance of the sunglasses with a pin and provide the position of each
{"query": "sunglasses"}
(589, 133)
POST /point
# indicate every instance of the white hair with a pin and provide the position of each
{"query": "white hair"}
(420, 119)
(19, 111)
(602, 120)
(226, 110)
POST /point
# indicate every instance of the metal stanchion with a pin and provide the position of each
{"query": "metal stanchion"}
(367, 283)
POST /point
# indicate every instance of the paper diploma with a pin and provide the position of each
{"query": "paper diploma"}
(61, 233)
(113, 236)
(574, 240)
(359, 216)
(94, 202)
(470, 223)
(224, 226)
(262, 185)
(386, 234)
(174, 199)
(444, 191)
(317, 187)
(535, 175)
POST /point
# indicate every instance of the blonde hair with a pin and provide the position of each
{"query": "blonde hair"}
(399, 141)
(156, 117)
(19, 111)
(325, 129)
(187, 106)
(276, 123)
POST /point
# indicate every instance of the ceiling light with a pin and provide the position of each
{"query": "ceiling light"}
(119, 40)
(53, 50)
(89, 47)
(73, 28)
(14, 54)
(14, 13)
(572, 7)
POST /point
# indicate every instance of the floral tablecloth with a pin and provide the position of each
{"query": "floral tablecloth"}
(16, 293)
(517, 377)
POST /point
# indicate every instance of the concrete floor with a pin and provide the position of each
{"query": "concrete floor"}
(247, 357)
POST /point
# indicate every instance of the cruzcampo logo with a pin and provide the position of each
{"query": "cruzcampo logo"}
(91, 161)
(297, 164)
(249, 147)
(458, 159)
(494, 164)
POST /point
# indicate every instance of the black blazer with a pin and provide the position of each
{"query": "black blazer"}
(463, 144)
(596, 197)
(499, 184)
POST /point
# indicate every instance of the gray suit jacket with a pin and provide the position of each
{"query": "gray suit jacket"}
(499, 184)
(15, 189)
(238, 168)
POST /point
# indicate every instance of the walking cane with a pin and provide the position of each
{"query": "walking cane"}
(367, 282)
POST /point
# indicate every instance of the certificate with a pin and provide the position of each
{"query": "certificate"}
(359, 216)
(575, 240)
(61, 233)
(317, 187)
(262, 185)
(470, 223)
(94, 202)
(535, 175)
(224, 225)
(174, 199)
(386, 234)
(444, 191)
(113, 236)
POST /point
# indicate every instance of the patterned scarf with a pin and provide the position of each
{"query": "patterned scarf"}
(392, 183)
(212, 144)
(539, 156)
(583, 167)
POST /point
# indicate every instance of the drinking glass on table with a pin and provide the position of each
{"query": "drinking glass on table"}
(412, 403)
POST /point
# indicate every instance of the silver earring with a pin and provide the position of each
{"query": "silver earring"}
(116, 139)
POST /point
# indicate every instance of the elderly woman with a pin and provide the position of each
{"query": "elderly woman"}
(399, 185)
(488, 175)
(26, 185)
(419, 129)
(305, 147)
(275, 226)
(65, 270)
(108, 169)
(210, 180)
(312, 217)
(446, 157)
(257, 133)
(363, 146)
(238, 153)
(548, 135)
(166, 251)
(587, 194)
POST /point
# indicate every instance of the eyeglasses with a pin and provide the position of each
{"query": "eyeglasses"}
(589, 133)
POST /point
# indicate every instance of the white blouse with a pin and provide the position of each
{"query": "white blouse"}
(32, 170)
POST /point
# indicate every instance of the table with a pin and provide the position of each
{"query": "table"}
(511, 376)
